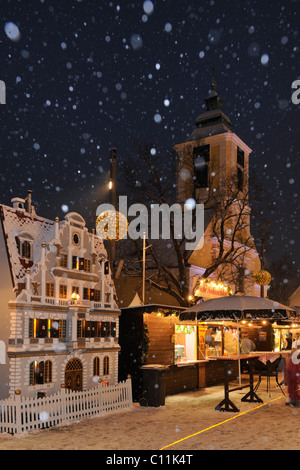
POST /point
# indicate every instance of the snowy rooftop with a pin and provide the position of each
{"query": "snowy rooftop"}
(17, 223)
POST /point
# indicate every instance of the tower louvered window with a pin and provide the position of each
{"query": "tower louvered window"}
(240, 160)
(201, 166)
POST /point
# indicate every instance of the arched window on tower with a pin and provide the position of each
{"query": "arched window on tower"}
(240, 160)
(201, 166)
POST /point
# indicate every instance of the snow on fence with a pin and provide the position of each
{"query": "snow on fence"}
(20, 414)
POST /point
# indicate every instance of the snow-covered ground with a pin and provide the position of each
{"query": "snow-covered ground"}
(187, 421)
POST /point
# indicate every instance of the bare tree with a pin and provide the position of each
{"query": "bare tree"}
(227, 214)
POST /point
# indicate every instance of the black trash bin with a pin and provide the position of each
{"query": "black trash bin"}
(154, 385)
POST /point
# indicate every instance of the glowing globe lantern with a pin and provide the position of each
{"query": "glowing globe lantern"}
(262, 278)
(111, 225)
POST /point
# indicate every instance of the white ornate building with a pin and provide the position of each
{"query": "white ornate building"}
(59, 320)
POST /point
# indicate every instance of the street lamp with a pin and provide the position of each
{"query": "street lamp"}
(113, 201)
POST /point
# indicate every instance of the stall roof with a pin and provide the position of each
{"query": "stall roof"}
(148, 308)
(240, 308)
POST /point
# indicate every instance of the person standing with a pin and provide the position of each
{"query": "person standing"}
(296, 343)
(292, 377)
(247, 345)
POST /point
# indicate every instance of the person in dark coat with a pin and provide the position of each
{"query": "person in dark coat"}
(288, 340)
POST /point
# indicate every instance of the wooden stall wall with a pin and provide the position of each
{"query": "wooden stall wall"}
(161, 333)
(214, 372)
(182, 379)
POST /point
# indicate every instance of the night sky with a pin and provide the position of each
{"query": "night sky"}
(84, 76)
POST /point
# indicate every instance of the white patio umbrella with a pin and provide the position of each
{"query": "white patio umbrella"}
(240, 307)
(236, 308)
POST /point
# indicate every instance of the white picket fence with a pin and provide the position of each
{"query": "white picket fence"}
(23, 414)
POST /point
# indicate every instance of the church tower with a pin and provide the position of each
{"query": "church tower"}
(213, 169)
(211, 155)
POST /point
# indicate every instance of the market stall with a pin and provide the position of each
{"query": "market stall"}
(232, 314)
(151, 342)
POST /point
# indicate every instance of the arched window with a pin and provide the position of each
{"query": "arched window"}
(96, 369)
(40, 372)
(48, 372)
(32, 367)
(201, 166)
(106, 365)
(240, 168)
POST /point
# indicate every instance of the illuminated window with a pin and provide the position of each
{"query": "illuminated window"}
(96, 368)
(40, 372)
(91, 294)
(106, 365)
(64, 261)
(105, 329)
(75, 262)
(81, 264)
(75, 290)
(45, 328)
(49, 289)
(87, 265)
(62, 291)
(26, 250)
(88, 329)
(48, 372)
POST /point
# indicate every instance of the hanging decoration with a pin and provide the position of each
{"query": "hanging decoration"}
(111, 225)
(186, 329)
(262, 278)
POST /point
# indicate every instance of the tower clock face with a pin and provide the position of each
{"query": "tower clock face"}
(76, 239)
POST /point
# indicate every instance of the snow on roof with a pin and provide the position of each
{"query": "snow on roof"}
(17, 223)
(19, 226)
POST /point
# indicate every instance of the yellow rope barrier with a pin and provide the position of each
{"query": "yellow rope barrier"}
(218, 424)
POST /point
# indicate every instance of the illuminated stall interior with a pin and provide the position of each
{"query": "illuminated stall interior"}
(198, 341)
(220, 338)
(185, 343)
(284, 335)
